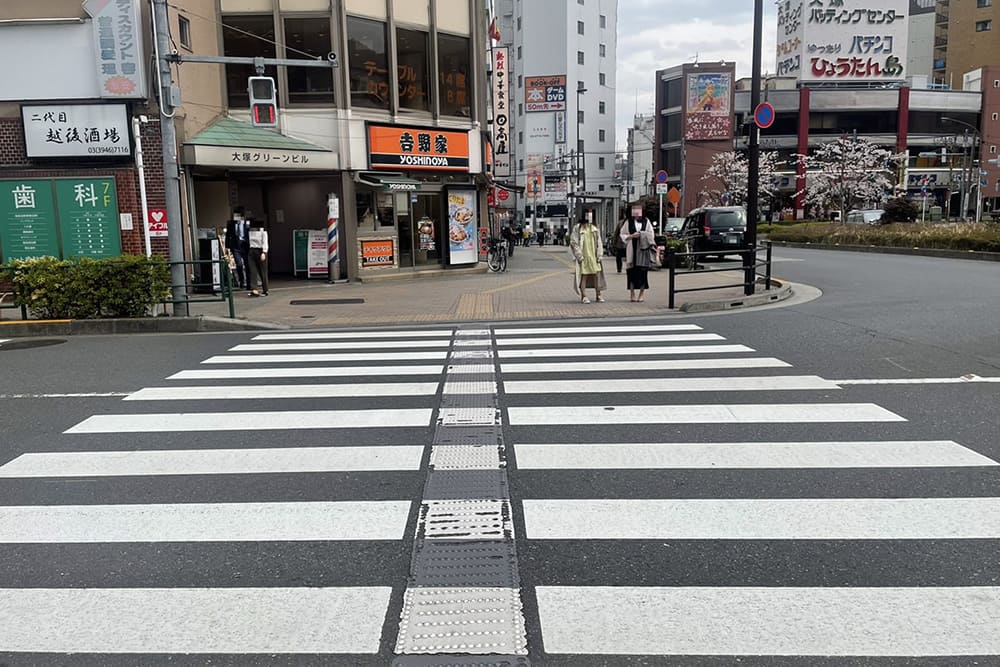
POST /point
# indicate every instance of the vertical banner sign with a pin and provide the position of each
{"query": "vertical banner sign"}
(120, 63)
(27, 220)
(462, 224)
(157, 222)
(332, 240)
(501, 117)
(560, 127)
(317, 258)
(708, 115)
(88, 217)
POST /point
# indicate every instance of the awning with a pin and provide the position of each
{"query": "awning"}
(391, 181)
(234, 144)
(512, 187)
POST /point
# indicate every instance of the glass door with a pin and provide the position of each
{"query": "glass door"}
(404, 225)
(429, 233)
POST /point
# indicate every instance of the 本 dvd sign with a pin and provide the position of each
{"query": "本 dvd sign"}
(545, 93)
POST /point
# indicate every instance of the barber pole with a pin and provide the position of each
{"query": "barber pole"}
(332, 242)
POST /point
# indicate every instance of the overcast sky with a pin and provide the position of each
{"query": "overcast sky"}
(656, 34)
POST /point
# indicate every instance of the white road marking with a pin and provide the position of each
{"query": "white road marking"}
(214, 461)
(103, 394)
(750, 620)
(3, 340)
(636, 385)
(649, 364)
(773, 413)
(204, 522)
(655, 328)
(959, 380)
(193, 620)
(726, 455)
(324, 358)
(356, 335)
(633, 351)
(337, 345)
(252, 421)
(638, 342)
(275, 391)
(305, 372)
(764, 519)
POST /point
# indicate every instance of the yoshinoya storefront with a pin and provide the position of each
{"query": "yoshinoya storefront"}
(418, 205)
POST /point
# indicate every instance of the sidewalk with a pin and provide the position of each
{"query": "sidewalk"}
(538, 284)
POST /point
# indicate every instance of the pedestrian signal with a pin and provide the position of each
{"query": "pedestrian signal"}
(263, 101)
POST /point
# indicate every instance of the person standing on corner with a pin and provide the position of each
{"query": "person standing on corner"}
(619, 244)
(258, 260)
(587, 247)
(238, 244)
(638, 238)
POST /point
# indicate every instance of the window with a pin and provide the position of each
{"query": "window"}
(579, 145)
(308, 84)
(453, 72)
(602, 50)
(600, 163)
(246, 35)
(520, 81)
(603, 21)
(412, 69)
(369, 63)
(600, 186)
(993, 150)
(579, 57)
(980, 4)
(984, 26)
(579, 116)
(601, 107)
(184, 31)
(601, 135)
(519, 53)
(579, 2)
(520, 165)
(520, 137)
(520, 109)
(518, 22)
(994, 116)
(579, 27)
(602, 78)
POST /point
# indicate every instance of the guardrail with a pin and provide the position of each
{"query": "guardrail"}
(221, 291)
(749, 267)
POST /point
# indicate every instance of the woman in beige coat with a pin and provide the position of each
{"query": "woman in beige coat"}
(637, 234)
(587, 247)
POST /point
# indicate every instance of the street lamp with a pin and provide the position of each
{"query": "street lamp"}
(581, 161)
(966, 168)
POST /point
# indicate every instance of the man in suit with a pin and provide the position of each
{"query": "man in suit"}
(238, 243)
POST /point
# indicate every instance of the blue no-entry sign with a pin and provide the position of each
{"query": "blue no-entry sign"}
(661, 176)
(763, 115)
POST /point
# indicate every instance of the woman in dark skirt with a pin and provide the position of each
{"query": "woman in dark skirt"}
(638, 238)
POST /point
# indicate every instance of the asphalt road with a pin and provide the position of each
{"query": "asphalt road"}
(625, 521)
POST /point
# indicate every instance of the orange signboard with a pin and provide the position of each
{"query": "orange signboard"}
(399, 147)
(377, 253)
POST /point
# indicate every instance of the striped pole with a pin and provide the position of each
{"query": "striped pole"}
(332, 241)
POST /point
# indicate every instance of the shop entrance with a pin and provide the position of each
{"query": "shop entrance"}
(420, 221)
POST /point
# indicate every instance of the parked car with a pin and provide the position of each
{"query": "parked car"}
(716, 228)
(867, 217)
(672, 227)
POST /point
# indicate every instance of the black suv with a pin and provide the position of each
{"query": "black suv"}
(718, 228)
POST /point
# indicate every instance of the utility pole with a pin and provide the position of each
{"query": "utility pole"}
(171, 172)
(753, 168)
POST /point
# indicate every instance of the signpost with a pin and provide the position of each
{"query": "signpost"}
(661, 189)
(763, 115)
(332, 241)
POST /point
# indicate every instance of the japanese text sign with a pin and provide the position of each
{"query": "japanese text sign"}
(27, 220)
(545, 93)
(121, 65)
(76, 130)
(157, 221)
(708, 115)
(501, 113)
(377, 253)
(426, 148)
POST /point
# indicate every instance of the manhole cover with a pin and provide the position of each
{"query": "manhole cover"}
(28, 343)
(323, 302)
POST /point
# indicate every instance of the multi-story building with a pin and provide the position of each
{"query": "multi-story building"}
(965, 39)
(638, 175)
(562, 73)
(394, 132)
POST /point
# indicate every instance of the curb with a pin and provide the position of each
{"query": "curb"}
(429, 273)
(982, 256)
(783, 291)
(145, 325)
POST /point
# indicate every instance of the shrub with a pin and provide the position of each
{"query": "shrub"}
(125, 286)
(970, 236)
(899, 209)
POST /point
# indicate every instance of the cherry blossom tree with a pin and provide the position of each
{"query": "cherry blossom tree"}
(850, 172)
(728, 174)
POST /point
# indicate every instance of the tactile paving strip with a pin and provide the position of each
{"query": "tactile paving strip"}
(482, 333)
(464, 520)
(468, 416)
(467, 457)
(472, 342)
(472, 354)
(461, 620)
(466, 435)
(470, 367)
(466, 484)
(468, 385)
(461, 661)
(464, 564)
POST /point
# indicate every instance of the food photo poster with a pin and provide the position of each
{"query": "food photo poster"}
(462, 227)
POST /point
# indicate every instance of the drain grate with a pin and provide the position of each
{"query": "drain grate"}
(461, 620)
(468, 416)
(467, 457)
(466, 485)
(463, 564)
(467, 435)
(461, 661)
(464, 520)
(323, 302)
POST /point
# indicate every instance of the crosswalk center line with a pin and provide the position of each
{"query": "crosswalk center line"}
(252, 421)
(773, 413)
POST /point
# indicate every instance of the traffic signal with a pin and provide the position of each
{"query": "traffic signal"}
(263, 101)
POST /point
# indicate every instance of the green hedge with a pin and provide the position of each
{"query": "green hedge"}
(947, 236)
(126, 286)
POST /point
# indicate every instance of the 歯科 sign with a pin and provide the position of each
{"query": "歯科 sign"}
(88, 217)
(501, 114)
(377, 253)
(121, 65)
(401, 147)
(27, 220)
(545, 93)
(76, 130)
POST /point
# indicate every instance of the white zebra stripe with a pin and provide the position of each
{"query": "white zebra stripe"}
(773, 413)
(252, 421)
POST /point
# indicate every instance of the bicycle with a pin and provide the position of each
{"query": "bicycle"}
(496, 258)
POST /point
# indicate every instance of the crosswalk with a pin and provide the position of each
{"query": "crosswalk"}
(637, 459)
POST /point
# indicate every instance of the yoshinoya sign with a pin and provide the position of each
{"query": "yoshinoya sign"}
(501, 113)
(76, 130)
(398, 146)
(120, 63)
(545, 93)
(842, 41)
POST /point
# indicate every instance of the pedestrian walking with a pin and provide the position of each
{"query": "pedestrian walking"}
(258, 261)
(527, 237)
(640, 249)
(587, 247)
(237, 241)
(618, 243)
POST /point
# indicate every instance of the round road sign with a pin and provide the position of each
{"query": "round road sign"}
(661, 176)
(763, 115)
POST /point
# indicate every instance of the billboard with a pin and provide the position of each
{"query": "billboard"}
(545, 93)
(501, 114)
(534, 185)
(708, 113)
(789, 38)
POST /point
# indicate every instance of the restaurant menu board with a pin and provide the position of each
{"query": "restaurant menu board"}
(88, 217)
(27, 220)
(462, 227)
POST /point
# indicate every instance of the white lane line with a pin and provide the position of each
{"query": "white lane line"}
(726, 455)
(193, 620)
(356, 335)
(745, 620)
(252, 421)
(104, 394)
(3, 340)
(204, 522)
(633, 351)
(638, 342)
(324, 358)
(214, 461)
(635, 385)
(764, 519)
(656, 328)
(965, 379)
(650, 364)
(306, 372)
(274, 391)
(767, 413)
(336, 345)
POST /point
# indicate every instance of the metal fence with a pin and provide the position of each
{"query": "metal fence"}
(201, 286)
(689, 261)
